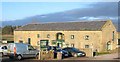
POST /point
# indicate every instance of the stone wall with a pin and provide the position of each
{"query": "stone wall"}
(88, 51)
(47, 55)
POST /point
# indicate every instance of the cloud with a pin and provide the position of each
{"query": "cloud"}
(98, 18)
(96, 11)
(109, 9)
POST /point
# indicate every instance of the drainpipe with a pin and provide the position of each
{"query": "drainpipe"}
(40, 52)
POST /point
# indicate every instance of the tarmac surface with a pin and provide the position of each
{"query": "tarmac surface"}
(102, 58)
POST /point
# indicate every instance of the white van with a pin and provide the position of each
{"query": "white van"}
(21, 50)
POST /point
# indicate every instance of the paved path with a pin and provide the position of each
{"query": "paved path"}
(107, 57)
(113, 56)
(101, 57)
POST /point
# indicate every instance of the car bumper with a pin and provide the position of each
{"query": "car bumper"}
(81, 55)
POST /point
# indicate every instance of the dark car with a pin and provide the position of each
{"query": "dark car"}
(64, 53)
(74, 52)
(58, 49)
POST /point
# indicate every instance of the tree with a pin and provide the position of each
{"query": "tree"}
(7, 30)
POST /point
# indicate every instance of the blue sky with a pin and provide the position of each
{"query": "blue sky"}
(20, 13)
(20, 10)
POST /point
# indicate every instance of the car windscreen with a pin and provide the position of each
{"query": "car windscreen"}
(59, 50)
(74, 50)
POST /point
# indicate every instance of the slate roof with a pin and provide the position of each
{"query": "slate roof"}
(64, 26)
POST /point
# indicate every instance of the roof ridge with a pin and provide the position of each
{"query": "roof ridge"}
(70, 22)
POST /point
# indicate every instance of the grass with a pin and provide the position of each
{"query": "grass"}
(102, 53)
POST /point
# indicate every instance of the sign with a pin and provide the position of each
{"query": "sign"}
(43, 44)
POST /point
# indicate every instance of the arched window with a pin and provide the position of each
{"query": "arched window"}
(59, 36)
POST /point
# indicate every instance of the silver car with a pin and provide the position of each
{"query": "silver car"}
(3, 50)
(21, 50)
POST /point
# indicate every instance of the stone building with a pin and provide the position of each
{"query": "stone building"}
(97, 35)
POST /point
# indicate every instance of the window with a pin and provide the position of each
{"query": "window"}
(48, 35)
(38, 35)
(30, 47)
(72, 36)
(5, 47)
(86, 46)
(113, 36)
(118, 41)
(67, 45)
(2, 47)
(38, 43)
(86, 37)
(54, 42)
(72, 45)
(20, 41)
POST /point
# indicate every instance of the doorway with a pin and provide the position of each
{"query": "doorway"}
(109, 47)
(29, 40)
(59, 39)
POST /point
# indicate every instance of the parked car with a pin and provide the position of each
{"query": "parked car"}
(74, 52)
(58, 49)
(64, 53)
(4, 50)
(21, 50)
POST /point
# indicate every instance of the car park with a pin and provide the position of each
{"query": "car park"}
(21, 50)
(74, 52)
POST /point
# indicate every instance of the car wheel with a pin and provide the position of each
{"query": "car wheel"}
(75, 55)
(10, 57)
(19, 57)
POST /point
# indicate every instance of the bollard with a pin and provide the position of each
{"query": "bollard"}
(39, 55)
(59, 55)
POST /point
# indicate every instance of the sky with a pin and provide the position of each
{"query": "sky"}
(13, 11)
(20, 13)
(20, 10)
(59, 0)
